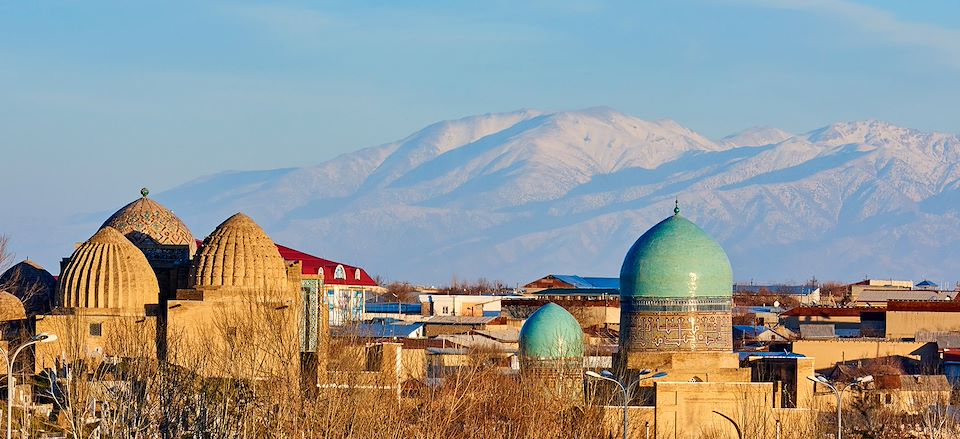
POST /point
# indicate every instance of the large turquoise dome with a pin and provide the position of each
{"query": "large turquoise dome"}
(551, 333)
(676, 259)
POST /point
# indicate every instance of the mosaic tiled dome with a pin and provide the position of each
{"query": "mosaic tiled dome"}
(551, 333)
(239, 254)
(108, 271)
(676, 259)
(146, 223)
(33, 285)
(11, 308)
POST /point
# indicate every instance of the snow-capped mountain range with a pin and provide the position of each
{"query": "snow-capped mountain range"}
(513, 196)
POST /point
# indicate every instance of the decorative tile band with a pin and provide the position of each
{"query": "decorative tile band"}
(697, 304)
(671, 325)
(532, 364)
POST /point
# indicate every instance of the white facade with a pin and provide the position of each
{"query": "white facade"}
(460, 305)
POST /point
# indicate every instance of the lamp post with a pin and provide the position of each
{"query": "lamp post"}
(820, 379)
(398, 304)
(606, 375)
(39, 338)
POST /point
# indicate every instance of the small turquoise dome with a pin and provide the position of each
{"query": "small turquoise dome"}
(551, 333)
(676, 259)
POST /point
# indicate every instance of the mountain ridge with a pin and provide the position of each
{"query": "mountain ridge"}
(516, 195)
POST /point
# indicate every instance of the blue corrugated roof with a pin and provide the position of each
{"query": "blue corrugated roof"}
(788, 290)
(572, 279)
(763, 309)
(589, 282)
(390, 330)
(391, 307)
(926, 283)
(604, 282)
(750, 331)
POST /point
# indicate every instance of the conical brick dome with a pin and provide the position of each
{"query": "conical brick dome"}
(239, 254)
(108, 271)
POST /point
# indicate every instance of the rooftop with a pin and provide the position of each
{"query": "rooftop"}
(582, 282)
(786, 290)
(460, 320)
(310, 264)
(829, 311)
(924, 305)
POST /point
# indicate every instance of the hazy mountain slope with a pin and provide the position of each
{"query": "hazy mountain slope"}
(756, 136)
(516, 195)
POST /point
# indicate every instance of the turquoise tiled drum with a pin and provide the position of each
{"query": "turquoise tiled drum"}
(675, 291)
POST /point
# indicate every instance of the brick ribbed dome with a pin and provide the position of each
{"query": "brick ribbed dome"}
(33, 285)
(147, 224)
(239, 254)
(11, 308)
(108, 271)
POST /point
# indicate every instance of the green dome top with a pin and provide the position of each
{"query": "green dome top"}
(676, 259)
(551, 333)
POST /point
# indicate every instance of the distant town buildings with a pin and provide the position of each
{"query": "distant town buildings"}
(695, 349)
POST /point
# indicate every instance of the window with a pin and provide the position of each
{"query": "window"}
(888, 398)
(356, 274)
(340, 273)
(446, 310)
(96, 329)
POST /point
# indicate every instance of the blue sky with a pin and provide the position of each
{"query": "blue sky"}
(100, 98)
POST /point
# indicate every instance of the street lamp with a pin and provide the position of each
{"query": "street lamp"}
(656, 375)
(42, 337)
(606, 375)
(820, 379)
(398, 304)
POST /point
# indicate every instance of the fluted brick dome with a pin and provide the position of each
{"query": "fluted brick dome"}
(11, 308)
(108, 271)
(148, 224)
(239, 254)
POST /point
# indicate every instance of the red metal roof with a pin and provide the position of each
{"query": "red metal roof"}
(312, 265)
(925, 305)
